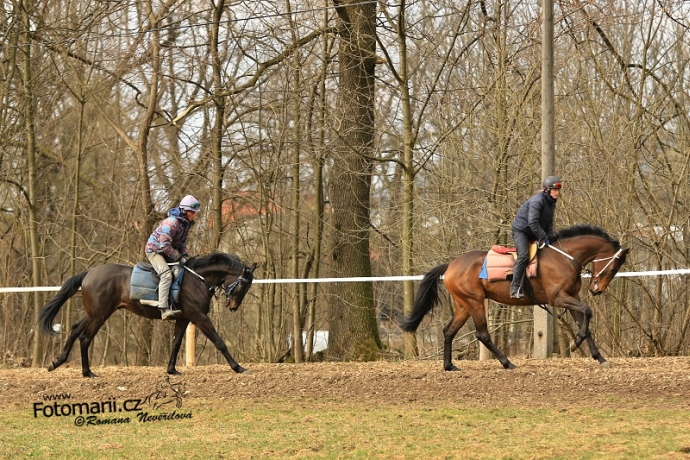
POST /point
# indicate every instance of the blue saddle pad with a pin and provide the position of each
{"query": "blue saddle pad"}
(144, 284)
(484, 274)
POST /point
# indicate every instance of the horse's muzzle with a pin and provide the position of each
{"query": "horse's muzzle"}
(594, 288)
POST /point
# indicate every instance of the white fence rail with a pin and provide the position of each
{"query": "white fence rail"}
(680, 271)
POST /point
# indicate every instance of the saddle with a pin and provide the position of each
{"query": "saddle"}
(499, 261)
(144, 284)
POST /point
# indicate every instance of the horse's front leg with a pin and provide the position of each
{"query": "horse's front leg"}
(578, 317)
(204, 324)
(180, 328)
(584, 314)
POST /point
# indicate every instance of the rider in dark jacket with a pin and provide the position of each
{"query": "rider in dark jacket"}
(533, 222)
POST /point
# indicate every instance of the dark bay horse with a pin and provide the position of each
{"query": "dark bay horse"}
(106, 289)
(557, 283)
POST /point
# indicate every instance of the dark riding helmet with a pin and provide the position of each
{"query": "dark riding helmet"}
(552, 182)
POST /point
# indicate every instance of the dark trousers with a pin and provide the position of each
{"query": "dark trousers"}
(521, 240)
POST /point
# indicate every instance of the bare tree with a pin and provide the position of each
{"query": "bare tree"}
(354, 332)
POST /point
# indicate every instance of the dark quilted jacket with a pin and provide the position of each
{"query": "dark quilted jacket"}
(535, 216)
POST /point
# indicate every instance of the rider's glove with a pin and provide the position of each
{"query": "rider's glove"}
(552, 236)
(542, 242)
(183, 260)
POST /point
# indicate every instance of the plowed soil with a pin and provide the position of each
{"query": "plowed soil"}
(661, 383)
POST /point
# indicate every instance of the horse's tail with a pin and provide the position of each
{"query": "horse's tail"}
(426, 298)
(48, 313)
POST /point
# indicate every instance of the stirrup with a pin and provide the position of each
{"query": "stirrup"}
(169, 313)
(516, 295)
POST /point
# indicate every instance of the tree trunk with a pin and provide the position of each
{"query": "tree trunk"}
(218, 128)
(145, 325)
(27, 83)
(297, 320)
(318, 159)
(354, 332)
(410, 338)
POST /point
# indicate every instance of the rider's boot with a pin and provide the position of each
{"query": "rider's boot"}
(164, 304)
(516, 288)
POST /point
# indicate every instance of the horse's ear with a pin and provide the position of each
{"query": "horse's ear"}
(625, 251)
(253, 267)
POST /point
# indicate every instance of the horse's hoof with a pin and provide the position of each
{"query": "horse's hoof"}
(174, 372)
(509, 366)
(89, 375)
(573, 346)
(451, 368)
(605, 365)
(50, 367)
(242, 370)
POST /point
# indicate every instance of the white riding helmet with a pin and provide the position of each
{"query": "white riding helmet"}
(189, 203)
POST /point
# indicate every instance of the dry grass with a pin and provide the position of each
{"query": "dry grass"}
(325, 430)
(567, 409)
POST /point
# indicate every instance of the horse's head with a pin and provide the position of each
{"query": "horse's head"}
(588, 243)
(605, 268)
(224, 273)
(236, 287)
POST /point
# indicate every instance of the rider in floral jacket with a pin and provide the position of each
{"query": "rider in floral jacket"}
(168, 243)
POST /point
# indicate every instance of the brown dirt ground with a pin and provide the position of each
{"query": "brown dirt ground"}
(651, 383)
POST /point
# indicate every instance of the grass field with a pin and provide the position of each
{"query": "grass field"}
(320, 430)
(557, 409)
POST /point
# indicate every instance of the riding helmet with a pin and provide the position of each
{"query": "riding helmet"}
(189, 203)
(551, 182)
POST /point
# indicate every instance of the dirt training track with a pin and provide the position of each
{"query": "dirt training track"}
(659, 383)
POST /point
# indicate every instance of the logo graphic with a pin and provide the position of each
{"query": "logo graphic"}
(167, 395)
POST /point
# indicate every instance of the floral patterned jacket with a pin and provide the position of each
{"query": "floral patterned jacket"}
(170, 237)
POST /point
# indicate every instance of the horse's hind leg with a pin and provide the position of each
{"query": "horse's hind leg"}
(579, 317)
(449, 331)
(482, 334)
(77, 329)
(85, 339)
(180, 327)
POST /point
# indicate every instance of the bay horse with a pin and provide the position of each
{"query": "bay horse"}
(106, 288)
(557, 283)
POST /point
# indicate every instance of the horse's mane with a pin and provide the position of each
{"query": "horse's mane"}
(217, 258)
(587, 230)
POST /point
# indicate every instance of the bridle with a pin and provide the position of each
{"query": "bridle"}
(227, 289)
(587, 271)
(610, 259)
(584, 271)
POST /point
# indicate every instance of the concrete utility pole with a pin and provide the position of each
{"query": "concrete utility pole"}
(543, 322)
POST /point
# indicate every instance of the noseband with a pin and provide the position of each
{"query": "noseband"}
(610, 259)
(228, 289)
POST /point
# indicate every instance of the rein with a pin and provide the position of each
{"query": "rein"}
(227, 290)
(583, 269)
